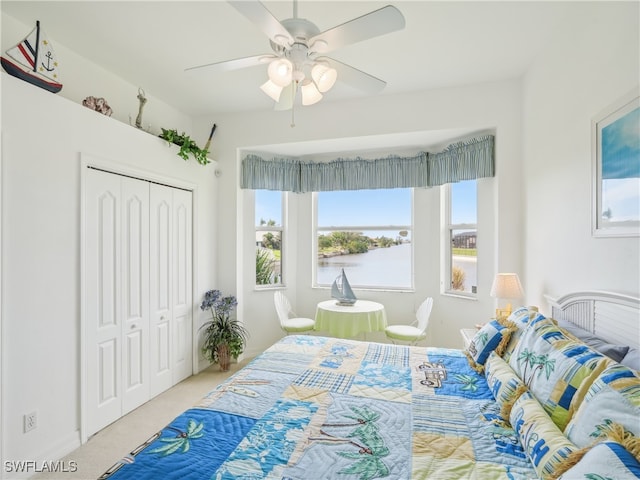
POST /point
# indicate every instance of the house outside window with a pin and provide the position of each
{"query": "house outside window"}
(368, 233)
(461, 230)
(269, 235)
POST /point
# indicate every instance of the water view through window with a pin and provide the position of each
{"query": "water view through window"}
(368, 233)
(381, 267)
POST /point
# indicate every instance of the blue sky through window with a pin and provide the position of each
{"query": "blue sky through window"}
(365, 207)
(369, 207)
(464, 197)
(268, 206)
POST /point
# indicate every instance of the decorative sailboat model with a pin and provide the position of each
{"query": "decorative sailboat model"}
(33, 61)
(341, 290)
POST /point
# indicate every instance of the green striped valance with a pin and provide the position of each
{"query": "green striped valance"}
(281, 174)
(466, 160)
(460, 161)
(360, 173)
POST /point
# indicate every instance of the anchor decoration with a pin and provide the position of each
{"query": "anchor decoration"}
(143, 100)
(48, 67)
(34, 61)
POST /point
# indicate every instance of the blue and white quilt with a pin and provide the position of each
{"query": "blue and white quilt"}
(324, 408)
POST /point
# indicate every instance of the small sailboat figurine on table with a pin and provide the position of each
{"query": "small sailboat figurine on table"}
(341, 290)
(33, 61)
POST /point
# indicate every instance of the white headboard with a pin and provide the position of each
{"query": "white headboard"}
(611, 316)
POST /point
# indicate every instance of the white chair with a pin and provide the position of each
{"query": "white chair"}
(289, 321)
(417, 330)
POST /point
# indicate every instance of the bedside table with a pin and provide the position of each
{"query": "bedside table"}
(467, 335)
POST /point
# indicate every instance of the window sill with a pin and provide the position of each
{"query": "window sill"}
(461, 296)
(265, 288)
(371, 289)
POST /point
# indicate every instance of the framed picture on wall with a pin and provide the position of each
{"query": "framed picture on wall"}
(615, 134)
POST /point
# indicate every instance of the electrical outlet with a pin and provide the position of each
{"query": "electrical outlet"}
(30, 421)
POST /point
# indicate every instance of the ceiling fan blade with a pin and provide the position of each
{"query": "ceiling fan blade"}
(264, 20)
(379, 22)
(354, 77)
(235, 64)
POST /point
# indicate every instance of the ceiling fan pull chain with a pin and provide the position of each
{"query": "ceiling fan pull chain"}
(293, 107)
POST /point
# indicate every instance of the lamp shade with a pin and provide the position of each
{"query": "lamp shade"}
(507, 285)
(280, 72)
(324, 76)
(272, 90)
(310, 93)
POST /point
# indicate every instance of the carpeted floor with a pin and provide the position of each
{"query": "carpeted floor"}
(115, 441)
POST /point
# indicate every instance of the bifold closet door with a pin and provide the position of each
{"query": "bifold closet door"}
(116, 296)
(170, 265)
(182, 285)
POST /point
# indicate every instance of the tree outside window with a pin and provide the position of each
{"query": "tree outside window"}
(269, 207)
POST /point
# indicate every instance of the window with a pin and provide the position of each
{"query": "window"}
(366, 232)
(461, 252)
(269, 209)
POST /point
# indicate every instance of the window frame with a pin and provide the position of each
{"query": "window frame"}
(447, 255)
(283, 242)
(361, 228)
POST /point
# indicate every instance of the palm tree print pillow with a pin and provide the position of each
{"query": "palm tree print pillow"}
(613, 398)
(505, 385)
(541, 439)
(556, 368)
(606, 460)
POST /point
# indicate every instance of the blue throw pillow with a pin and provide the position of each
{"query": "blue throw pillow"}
(494, 335)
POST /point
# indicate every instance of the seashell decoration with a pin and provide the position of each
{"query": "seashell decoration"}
(98, 104)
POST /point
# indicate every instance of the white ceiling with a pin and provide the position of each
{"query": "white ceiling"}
(150, 43)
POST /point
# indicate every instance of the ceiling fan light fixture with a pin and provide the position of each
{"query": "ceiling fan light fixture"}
(310, 93)
(324, 76)
(280, 71)
(272, 90)
(296, 43)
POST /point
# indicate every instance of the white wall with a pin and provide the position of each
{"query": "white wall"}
(495, 106)
(593, 63)
(43, 136)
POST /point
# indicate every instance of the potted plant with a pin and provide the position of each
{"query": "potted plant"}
(186, 144)
(224, 336)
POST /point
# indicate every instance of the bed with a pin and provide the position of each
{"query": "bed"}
(314, 407)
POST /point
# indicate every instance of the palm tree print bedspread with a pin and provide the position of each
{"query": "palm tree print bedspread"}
(323, 408)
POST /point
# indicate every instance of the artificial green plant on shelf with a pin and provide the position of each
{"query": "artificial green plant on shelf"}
(187, 146)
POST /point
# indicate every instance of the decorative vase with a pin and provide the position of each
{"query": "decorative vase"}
(224, 358)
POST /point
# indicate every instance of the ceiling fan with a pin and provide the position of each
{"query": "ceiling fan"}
(298, 62)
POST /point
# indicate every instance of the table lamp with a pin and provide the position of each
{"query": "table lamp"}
(506, 286)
